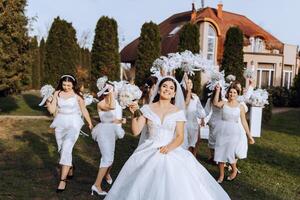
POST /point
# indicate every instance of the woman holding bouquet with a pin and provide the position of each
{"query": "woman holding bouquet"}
(213, 123)
(67, 105)
(194, 114)
(106, 133)
(160, 168)
(147, 90)
(229, 137)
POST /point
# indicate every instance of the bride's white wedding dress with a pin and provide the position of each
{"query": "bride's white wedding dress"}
(151, 175)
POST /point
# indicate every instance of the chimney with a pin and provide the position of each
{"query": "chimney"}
(220, 10)
(194, 13)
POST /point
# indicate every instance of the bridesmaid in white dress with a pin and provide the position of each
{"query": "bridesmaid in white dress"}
(67, 105)
(194, 114)
(106, 133)
(242, 148)
(227, 141)
(213, 123)
(147, 90)
(160, 169)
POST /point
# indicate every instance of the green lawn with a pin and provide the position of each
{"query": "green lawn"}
(28, 162)
(27, 104)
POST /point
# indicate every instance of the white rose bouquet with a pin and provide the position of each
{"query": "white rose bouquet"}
(46, 92)
(127, 95)
(249, 73)
(259, 98)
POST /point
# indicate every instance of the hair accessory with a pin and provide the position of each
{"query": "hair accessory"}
(69, 76)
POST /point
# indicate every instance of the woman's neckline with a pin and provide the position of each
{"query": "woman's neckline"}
(161, 120)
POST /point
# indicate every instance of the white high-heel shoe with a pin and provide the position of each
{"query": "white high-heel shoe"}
(95, 189)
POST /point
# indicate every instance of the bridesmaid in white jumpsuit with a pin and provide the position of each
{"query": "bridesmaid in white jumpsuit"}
(106, 133)
(67, 105)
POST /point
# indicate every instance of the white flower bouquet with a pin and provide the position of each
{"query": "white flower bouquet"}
(46, 92)
(187, 61)
(88, 99)
(101, 82)
(249, 73)
(230, 78)
(128, 94)
(216, 77)
(259, 98)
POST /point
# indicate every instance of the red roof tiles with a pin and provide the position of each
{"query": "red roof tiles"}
(169, 43)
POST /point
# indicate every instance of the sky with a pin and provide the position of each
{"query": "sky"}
(280, 18)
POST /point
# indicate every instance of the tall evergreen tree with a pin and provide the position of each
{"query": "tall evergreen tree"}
(148, 50)
(295, 91)
(35, 54)
(189, 39)
(105, 57)
(61, 51)
(42, 60)
(14, 47)
(233, 56)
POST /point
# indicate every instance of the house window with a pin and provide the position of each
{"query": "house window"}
(287, 79)
(265, 76)
(211, 43)
(256, 44)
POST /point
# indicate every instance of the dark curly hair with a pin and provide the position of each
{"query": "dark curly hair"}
(68, 78)
(157, 97)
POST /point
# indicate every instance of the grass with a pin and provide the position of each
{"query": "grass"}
(27, 104)
(22, 104)
(28, 162)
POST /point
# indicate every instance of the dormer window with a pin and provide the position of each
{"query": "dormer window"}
(175, 30)
(256, 44)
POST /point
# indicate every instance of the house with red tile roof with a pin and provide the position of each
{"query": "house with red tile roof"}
(275, 63)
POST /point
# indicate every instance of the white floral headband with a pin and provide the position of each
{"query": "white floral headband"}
(69, 76)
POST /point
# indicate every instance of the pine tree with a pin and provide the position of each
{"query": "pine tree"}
(42, 60)
(105, 57)
(14, 47)
(189, 37)
(295, 91)
(233, 56)
(61, 51)
(36, 82)
(149, 49)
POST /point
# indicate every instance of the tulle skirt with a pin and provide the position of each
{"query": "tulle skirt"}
(150, 175)
(67, 121)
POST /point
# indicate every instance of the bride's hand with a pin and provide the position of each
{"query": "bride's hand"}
(164, 149)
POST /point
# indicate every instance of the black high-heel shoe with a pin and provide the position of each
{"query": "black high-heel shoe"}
(73, 169)
(61, 190)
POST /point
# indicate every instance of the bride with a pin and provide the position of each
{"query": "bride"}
(160, 168)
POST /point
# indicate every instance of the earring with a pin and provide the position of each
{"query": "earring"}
(158, 92)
